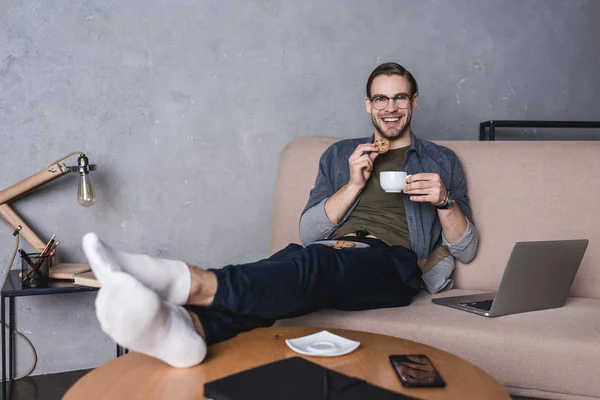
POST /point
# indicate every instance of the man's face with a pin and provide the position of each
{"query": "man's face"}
(393, 121)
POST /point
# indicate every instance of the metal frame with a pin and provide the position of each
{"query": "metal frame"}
(492, 125)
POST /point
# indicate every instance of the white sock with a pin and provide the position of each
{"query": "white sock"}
(171, 279)
(135, 317)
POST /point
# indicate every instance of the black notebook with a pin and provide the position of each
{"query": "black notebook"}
(295, 379)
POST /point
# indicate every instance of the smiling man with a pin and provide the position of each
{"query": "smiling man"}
(432, 215)
(389, 245)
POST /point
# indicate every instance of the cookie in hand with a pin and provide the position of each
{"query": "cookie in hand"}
(383, 145)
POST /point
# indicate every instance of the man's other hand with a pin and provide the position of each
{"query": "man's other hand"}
(426, 187)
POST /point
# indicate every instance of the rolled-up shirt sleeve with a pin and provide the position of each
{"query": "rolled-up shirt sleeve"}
(466, 248)
(315, 224)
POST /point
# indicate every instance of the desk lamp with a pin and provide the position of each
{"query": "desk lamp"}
(85, 193)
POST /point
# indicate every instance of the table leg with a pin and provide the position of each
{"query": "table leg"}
(11, 344)
(3, 351)
(121, 351)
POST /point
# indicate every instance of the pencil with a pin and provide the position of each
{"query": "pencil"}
(25, 257)
(48, 245)
(52, 248)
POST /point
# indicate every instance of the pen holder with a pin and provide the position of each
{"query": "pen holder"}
(35, 270)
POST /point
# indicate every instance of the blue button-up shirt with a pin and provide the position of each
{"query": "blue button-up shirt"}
(423, 222)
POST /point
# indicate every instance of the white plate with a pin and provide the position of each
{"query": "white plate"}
(322, 344)
(359, 245)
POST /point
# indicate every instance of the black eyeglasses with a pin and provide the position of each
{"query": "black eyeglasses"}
(380, 101)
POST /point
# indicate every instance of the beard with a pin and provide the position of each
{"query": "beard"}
(392, 133)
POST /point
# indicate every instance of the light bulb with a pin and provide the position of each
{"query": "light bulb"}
(85, 191)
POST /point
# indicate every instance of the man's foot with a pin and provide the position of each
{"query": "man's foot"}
(171, 279)
(136, 318)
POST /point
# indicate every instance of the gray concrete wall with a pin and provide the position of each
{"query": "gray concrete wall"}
(185, 106)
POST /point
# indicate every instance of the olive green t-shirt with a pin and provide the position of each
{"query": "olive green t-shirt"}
(379, 213)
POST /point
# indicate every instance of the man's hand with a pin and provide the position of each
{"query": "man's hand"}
(426, 187)
(361, 164)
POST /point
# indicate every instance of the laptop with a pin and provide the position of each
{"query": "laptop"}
(538, 276)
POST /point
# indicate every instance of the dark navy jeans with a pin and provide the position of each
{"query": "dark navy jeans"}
(297, 280)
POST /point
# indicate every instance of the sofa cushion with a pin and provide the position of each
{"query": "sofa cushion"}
(555, 350)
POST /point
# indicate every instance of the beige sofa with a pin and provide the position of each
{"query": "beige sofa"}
(519, 191)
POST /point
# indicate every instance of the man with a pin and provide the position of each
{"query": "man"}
(170, 310)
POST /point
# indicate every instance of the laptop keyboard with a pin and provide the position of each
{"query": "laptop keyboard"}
(485, 305)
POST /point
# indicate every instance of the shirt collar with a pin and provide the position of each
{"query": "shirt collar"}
(415, 144)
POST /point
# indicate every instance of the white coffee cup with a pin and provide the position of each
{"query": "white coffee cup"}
(392, 181)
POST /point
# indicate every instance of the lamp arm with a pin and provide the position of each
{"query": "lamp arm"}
(15, 221)
(49, 174)
(52, 172)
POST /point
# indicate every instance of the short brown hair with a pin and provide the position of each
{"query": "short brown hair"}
(392, 68)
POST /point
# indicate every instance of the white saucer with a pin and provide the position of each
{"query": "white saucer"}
(322, 344)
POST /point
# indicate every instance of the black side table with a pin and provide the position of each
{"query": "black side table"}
(14, 288)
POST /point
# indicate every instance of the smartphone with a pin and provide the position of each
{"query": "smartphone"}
(416, 370)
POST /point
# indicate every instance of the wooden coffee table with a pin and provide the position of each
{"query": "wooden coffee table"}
(136, 376)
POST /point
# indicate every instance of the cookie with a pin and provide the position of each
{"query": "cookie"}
(383, 145)
(343, 244)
